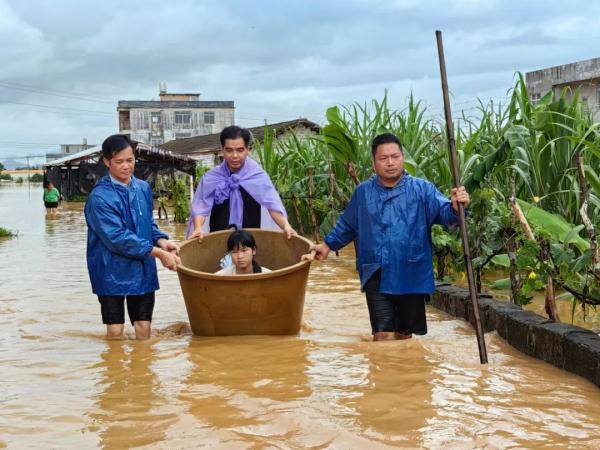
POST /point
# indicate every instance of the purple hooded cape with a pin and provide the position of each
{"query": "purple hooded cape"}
(219, 184)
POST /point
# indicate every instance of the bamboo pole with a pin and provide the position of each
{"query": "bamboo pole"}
(298, 216)
(550, 299)
(311, 193)
(461, 210)
(584, 198)
(511, 246)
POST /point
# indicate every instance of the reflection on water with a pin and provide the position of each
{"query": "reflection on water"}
(128, 408)
(238, 384)
(377, 401)
(64, 386)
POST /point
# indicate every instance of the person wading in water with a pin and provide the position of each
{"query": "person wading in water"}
(238, 191)
(123, 242)
(390, 218)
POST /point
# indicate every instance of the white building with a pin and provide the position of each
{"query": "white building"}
(68, 149)
(174, 116)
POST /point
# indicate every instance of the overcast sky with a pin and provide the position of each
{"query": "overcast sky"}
(64, 64)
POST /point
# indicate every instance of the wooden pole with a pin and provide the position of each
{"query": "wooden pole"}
(461, 210)
(311, 193)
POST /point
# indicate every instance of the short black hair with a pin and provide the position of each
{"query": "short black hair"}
(384, 138)
(235, 132)
(116, 143)
(243, 238)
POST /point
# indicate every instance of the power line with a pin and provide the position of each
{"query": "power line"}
(52, 92)
(28, 143)
(58, 107)
(6, 158)
(44, 111)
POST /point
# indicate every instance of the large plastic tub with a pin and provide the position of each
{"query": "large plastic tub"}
(268, 303)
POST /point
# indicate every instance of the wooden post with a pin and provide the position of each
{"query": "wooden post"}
(461, 210)
(584, 198)
(297, 213)
(311, 193)
(511, 246)
(550, 300)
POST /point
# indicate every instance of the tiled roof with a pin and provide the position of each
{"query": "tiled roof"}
(210, 142)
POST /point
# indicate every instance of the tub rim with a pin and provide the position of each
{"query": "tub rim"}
(244, 277)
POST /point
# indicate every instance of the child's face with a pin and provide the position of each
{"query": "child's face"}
(242, 258)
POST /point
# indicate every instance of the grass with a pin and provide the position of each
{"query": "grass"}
(4, 233)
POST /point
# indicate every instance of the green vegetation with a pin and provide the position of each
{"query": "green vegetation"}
(181, 203)
(546, 155)
(4, 233)
(201, 169)
(172, 192)
(6, 176)
(37, 178)
(81, 198)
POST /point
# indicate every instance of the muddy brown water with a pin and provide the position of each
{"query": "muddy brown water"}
(63, 386)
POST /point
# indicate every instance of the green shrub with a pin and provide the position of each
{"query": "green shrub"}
(4, 233)
(36, 178)
(180, 198)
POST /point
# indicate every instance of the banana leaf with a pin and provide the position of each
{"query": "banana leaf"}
(553, 224)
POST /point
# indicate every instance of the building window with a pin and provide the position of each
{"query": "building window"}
(209, 117)
(155, 117)
(156, 141)
(182, 135)
(144, 121)
(183, 119)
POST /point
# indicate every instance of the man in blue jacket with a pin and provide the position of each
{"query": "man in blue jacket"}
(390, 217)
(123, 242)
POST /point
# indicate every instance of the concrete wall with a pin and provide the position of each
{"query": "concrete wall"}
(568, 347)
(540, 81)
(584, 75)
(143, 130)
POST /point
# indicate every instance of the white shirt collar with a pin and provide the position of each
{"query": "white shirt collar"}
(114, 180)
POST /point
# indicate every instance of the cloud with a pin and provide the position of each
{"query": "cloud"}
(276, 60)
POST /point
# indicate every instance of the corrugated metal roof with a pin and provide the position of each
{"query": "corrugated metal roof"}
(175, 104)
(85, 154)
(142, 150)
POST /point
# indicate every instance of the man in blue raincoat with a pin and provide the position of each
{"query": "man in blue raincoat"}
(390, 218)
(123, 242)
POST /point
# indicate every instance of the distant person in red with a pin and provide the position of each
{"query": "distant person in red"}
(51, 198)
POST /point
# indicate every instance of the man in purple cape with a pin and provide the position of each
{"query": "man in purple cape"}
(238, 191)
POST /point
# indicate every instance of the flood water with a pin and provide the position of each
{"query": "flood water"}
(63, 386)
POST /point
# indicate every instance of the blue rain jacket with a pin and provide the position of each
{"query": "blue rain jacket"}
(392, 232)
(121, 235)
